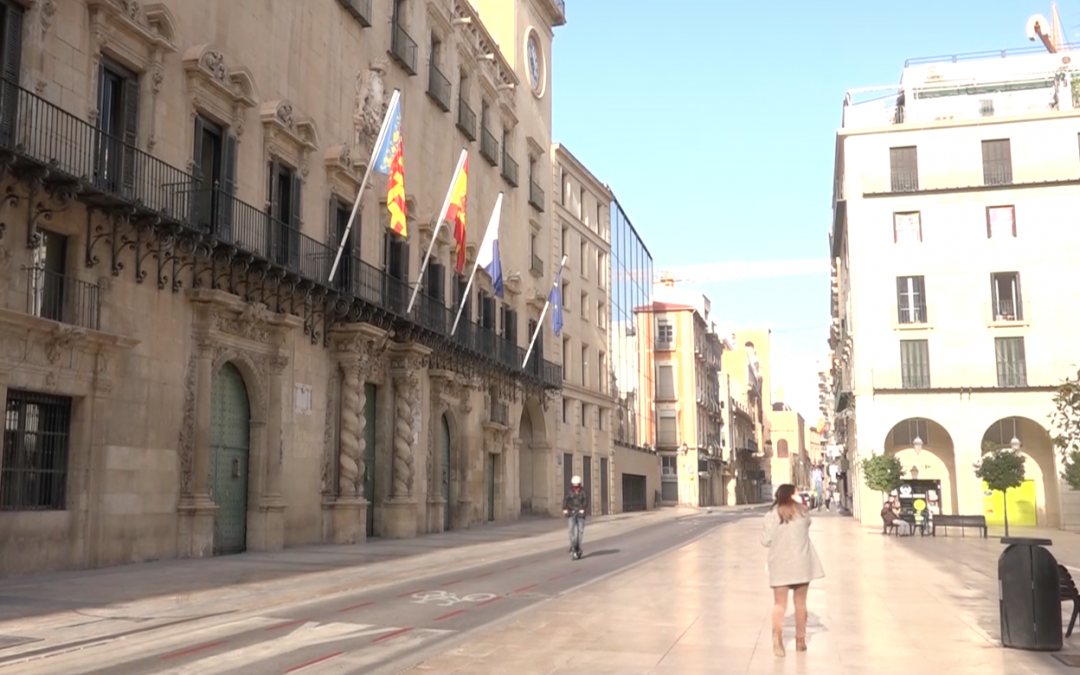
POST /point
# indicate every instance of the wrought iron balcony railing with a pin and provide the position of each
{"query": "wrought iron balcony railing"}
(509, 168)
(489, 147)
(78, 161)
(438, 89)
(403, 48)
(57, 297)
(536, 196)
(360, 10)
(466, 120)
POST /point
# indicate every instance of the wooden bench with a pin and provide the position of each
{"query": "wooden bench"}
(963, 522)
(1067, 591)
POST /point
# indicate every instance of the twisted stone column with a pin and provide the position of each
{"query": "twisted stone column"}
(405, 406)
(351, 444)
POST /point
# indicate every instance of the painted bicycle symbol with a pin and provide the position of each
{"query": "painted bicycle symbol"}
(444, 599)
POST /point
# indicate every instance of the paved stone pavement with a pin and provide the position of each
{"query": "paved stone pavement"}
(177, 588)
(888, 605)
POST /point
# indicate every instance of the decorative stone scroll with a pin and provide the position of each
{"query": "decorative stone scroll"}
(372, 99)
(137, 35)
(287, 134)
(216, 89)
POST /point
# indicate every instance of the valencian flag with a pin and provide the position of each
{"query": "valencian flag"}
(455, 211)
(390, 160)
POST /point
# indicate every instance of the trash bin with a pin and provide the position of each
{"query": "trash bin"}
(1028, 594)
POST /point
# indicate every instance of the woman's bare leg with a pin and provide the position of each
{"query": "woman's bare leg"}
(778, 611)
(799, 597)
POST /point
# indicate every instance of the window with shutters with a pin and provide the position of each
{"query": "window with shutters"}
(213, 160)
(665, 334)
(487, 310)
(284, 191)
(396, 267)
(667, 430)
(911, 300)
(509, 324)
(782, 450)
(461, 283)
(997, 162)
(11, 22)
(1011, 362)
(904, 169)
(915, 364)
(566, 358)
(585, 365)
(118, 129)
(665, 383)
(347, 274)
(1005, 297)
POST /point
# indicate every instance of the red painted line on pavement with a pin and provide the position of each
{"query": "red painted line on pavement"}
(485, 574)
(352, 607)
(451, 583)
(410, 593)
(557, 577)
(193, 650)
(488, 602)
(390, 636)
(311, 663)
(525, 588)
(286, 624)
(447, 616)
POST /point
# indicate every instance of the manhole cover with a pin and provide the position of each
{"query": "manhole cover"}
(1071, 660)
(9, 641)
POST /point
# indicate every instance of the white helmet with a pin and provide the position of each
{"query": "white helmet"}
(576, 480)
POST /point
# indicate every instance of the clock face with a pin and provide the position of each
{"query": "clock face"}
(536, 66)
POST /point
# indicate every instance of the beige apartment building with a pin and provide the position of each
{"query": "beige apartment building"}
(689, 419)
(582, 227)
(789, 462)
(952, 302)
(181, 376)
(744, 424)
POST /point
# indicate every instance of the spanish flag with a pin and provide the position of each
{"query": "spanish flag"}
(455, 210)
(390, 160)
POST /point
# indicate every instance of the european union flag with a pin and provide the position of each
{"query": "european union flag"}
(555, 300)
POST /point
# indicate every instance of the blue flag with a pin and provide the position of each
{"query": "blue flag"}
(555, 299)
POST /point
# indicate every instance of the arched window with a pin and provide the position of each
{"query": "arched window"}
(781, 448)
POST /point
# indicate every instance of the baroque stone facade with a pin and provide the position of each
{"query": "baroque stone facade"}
(182, 375)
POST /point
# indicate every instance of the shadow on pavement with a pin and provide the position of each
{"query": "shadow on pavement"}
(606, 551)
(176, 579)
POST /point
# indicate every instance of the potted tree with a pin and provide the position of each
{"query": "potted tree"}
(882, 473)
(1002, 468)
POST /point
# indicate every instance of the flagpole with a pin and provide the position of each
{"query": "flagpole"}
(543, 313)
(438, 224)
(476, 266)
(367, 175)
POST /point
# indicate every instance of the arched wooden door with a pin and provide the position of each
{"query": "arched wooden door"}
(230, 426)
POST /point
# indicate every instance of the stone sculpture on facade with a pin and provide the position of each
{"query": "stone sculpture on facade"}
(371, 102)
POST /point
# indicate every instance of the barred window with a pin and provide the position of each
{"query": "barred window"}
(33, 468)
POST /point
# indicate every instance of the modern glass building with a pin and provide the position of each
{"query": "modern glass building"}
(631, 345)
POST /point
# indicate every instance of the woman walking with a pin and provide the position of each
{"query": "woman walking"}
(793, 563)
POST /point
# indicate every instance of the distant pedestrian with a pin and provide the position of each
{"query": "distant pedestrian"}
(828, 499)
(793, 563)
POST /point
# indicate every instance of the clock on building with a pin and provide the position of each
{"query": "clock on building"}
(535, 56)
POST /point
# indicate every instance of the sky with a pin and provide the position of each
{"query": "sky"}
(715, 126)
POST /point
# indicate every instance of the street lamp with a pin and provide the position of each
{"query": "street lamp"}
(1015, 444)
(914, 473)
(917, 444)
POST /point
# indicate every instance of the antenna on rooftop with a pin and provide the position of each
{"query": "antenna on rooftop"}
(1050, 32)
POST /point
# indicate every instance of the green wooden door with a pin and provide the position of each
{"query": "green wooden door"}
(491, 488)
(445, 465)
(369, 457)
(229, 427)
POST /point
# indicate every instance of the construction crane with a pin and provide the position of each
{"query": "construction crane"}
(1049, 32)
